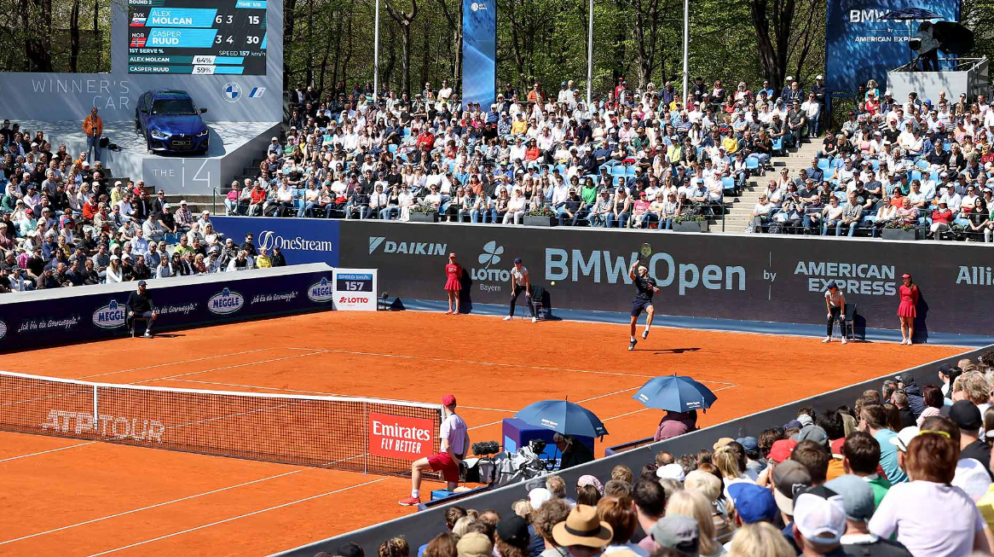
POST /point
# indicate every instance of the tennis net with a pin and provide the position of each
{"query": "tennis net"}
(355, 434)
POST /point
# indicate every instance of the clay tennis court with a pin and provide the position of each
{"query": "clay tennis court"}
(79, 497)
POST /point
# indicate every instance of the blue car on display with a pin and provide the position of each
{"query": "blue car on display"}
(170, 122)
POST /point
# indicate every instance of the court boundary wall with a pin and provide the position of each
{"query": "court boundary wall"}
(421, 527)
(63, 316)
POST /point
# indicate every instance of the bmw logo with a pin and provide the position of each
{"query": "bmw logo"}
(474, 6)
(232, 92)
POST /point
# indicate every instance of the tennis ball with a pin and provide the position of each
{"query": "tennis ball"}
(553, 283)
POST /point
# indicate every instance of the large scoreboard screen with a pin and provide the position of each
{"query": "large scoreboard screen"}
(200, 37)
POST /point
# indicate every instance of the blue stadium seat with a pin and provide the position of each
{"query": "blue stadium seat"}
(824, 163)
(728, 184)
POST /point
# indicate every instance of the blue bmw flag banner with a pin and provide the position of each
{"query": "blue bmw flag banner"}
(479, 47)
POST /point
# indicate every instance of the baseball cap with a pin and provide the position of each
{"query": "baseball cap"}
(819, 77)
(474, 544)
(167, 206)
(781, 450)
(793, 423)
(517, 260)
(538, 496)
(183, 202)
(812, 433)
(587, 479)
(753, 503)
(789, 477)
(904, 437)
(805, 420)
(750, 444)
(857, 496)
(820, 515)
(513, 530)
(671, 472)
(118, 183)
(966, 415)
(448, 400)
(905, 378)
(677, 532)
(142, 283)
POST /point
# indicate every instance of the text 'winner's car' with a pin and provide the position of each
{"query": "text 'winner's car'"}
(170, 122)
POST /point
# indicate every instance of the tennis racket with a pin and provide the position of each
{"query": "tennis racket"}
(644, 252)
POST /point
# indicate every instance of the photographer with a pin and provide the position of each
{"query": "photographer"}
(574, 453)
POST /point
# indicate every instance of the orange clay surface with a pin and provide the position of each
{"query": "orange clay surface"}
(72, 497)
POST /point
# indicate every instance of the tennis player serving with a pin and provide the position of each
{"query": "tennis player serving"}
(645, 288)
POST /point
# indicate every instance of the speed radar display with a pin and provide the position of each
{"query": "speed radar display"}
(199, 37)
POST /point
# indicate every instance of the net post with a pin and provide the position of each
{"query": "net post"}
(365, 438)
(96, 407)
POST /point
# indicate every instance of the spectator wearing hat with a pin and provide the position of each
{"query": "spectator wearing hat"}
(788, 478)
(751, 504)
(454, 437)
(674, 424)
(967, 416)
(819, 522)
(695, 505)
(583, 533)
(857, 500)
(929, 515)
(140, 306)
(754, 459)
(513, 537)
(678, 532)
(474, 544)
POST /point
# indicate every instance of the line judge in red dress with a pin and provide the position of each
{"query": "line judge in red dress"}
(453, 284)
(908, 292)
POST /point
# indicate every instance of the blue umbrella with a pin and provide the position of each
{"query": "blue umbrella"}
(911, 13)
(675, 393)
(563, 417)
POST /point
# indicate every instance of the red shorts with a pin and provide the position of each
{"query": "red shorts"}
(443, 463)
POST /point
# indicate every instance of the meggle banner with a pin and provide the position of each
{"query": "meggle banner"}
(98, 312)
(861, 46)
(300, 240)
(756, 278)
(479, 48)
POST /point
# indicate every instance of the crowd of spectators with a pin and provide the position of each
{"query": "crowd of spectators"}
(903, 471)
(913, 163)
(65, 222)
(631, 159)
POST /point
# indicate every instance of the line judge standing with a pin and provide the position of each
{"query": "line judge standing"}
(93, 127)
(454, 437)
(520, 282)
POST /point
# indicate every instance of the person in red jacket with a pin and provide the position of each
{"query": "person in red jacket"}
(941, 219)
(426, 141)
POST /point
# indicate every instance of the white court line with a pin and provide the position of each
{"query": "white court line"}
(167, 364)
(246, 515)
(227, 367)
(164, 503)
(492, 364)
(46, 452)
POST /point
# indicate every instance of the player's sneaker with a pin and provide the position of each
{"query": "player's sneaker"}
(410, 502)
(645, 334)
(631, 345)
(534, 319)
(827, 340)
(148, 334)
(843, 340)
(507, 318)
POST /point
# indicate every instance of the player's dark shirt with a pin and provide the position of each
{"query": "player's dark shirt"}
(139, 303)
(643, 288)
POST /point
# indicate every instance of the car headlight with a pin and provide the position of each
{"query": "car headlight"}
(159, 134)
(203, 133)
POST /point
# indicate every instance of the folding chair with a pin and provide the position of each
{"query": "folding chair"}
(848, 322)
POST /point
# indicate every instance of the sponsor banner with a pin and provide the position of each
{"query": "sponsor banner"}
(300, 240)
(479, 47)
(755, 278)
(99, 312)
(861, 46)
(400, 437)
(354, 289)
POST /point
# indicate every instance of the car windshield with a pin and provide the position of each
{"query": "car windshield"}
(174, 107)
